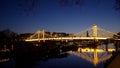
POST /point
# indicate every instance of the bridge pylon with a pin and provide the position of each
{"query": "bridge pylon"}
(95, 28)
(39, 32)
(43, 32)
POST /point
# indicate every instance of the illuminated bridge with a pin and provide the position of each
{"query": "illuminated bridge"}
(91, 33)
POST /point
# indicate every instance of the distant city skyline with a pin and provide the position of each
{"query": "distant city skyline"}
(51, 16)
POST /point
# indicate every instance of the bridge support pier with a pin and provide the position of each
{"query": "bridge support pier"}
(117, 45)
(106, 47)
(66, 40)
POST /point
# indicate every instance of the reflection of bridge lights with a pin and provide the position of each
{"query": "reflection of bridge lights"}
(92, 50)
(4, 60)
(85, 53)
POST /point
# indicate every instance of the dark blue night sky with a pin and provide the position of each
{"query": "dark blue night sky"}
(51, 16)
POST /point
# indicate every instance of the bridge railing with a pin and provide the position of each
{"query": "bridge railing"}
(68, 38)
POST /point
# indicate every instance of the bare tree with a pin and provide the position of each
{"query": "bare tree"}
(29, 5)
(117, 4)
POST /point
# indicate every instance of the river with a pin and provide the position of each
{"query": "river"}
(79, 58)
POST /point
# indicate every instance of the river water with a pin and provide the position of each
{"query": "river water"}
(81, 58)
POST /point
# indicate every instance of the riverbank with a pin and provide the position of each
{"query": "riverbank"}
(114, 61)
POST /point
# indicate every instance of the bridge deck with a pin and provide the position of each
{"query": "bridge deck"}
(69, 38)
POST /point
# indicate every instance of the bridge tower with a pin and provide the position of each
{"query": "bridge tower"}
(39, 34)
(95, 28)
(43, 34)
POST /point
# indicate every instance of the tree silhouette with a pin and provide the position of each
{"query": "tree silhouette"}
(117, 4)
(29, 5)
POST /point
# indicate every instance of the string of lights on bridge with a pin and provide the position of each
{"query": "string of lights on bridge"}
(93, 32)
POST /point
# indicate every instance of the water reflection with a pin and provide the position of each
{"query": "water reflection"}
(93, 55)
(63, 57)
(4, 60)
